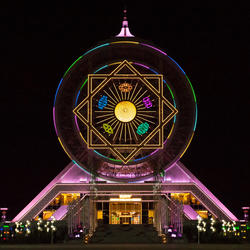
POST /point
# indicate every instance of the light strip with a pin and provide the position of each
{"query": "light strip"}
(64, 148)
(102, 45)
(125, 42)
(72, 65)
(77, 123)
(152, 47)
(121, 199)
(57, 90)
(103, 67)
(54, 120)
(187, 145)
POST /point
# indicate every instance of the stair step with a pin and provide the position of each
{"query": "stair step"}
(125, 234)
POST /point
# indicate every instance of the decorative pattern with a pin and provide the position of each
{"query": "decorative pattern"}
(125, 111)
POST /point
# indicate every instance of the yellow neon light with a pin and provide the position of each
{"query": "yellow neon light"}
(125, 42)
(187, 145)
(171, 131)
(64, 147)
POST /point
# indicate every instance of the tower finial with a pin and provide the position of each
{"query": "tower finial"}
(125, 30)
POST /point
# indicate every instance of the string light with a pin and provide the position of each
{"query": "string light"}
(212, 225)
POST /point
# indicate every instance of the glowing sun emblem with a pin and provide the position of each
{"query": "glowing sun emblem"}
(123, 119)
(125, 111)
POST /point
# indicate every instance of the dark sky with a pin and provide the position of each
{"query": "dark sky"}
(40, 41)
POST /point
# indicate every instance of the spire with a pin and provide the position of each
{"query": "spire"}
(125, 30)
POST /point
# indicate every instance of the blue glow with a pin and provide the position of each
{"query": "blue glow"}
(154, 71)
(196, 114)
(177, 64)
(57, 91)
(102, 45)
(103, 101)
(106, 156)
(141, 158)
(103, 67)
(77, 97)
(80, 167)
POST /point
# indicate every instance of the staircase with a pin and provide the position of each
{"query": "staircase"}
(125, 234)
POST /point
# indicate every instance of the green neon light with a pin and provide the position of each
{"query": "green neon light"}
(72, 66)
(142, 128)
(170, 92)
(237, 228)
(5, 226)
(191, 87)
(84, 83)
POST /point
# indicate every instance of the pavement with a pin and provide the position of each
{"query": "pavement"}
(127, 246)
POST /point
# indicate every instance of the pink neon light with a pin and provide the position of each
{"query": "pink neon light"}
(141, 65)
(76, 123)
(152, 47)
(125, 30)
(54, 120)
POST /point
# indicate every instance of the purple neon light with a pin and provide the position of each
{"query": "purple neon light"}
(141, 65)
(60, 212)
(54, 120)
(152, 47)
(77, 126)
(157, 149)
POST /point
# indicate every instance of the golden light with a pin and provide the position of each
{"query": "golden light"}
(125, 197)
(125, 111)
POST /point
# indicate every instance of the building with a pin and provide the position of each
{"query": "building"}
(125, 113)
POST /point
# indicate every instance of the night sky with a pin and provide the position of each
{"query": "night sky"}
(40, 41)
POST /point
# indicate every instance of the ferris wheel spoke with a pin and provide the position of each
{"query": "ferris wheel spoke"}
(137, 100)
(134, 130)
(129, 132)
(136, 94)
(117, 92)
(110, 97)
(100, 116)
(133, 91)
(125, 125)
(146, 119)
(114, 95)
(142, 115)
(120, 138)
(114, 138)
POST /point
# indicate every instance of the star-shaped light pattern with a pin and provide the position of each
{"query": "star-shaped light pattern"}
(125, 112)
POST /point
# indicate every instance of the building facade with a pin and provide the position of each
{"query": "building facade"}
(125, 113)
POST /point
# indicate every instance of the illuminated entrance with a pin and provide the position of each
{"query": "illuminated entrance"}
(125, 213)
(125, 210)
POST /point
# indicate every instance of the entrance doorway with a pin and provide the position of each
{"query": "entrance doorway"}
(125, 213)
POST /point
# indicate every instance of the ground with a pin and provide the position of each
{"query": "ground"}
(130, 246)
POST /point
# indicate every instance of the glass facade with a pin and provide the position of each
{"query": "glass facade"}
(61, 200)
(125, 212)
(189, 199)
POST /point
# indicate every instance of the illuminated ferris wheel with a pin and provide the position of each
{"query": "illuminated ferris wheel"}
(125, 109)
